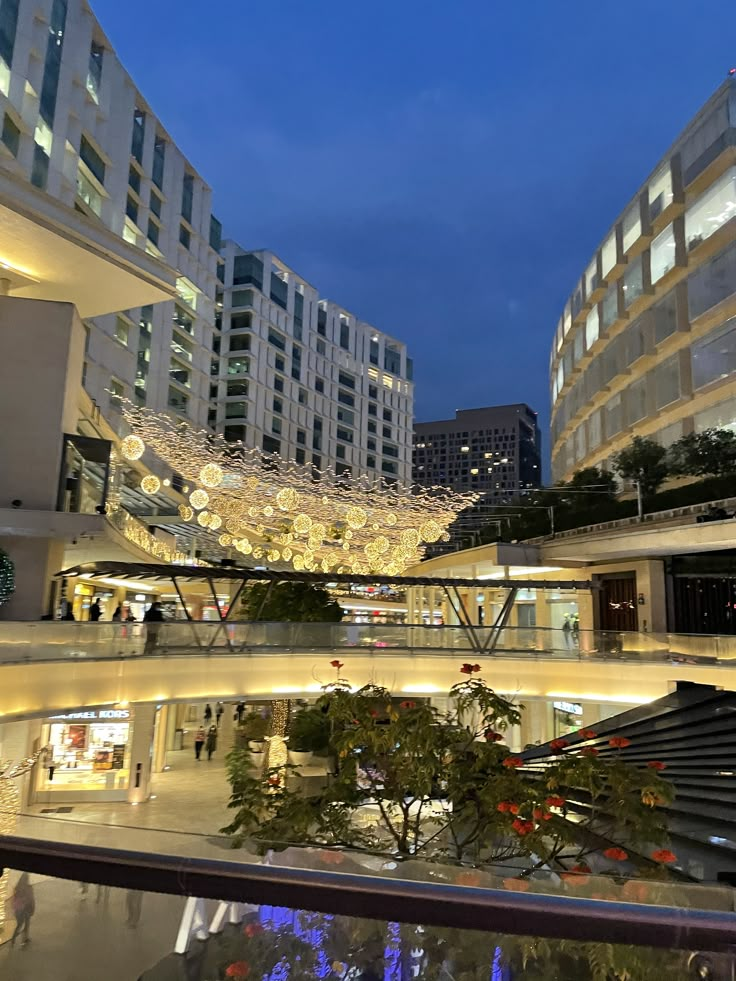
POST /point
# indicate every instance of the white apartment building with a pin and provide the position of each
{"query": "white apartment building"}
(302, 377)
(76, 127)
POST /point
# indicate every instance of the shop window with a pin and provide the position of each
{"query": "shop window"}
(89, 754)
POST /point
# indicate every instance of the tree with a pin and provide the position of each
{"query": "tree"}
(298, 602)
(710, 453)
(644, 462)
(445, 789)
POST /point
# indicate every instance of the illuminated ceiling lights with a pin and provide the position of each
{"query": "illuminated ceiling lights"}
(278, 513)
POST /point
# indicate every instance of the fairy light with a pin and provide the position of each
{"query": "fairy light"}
(282, 514)
(132, 447)
(150, 484)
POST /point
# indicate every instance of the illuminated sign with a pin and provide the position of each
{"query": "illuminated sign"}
(92, 715)
(572, 708)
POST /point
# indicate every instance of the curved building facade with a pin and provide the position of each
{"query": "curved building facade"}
(646, 344)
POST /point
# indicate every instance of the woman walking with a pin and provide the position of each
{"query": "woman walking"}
(24, 906)
(211, 743)
(199, 739)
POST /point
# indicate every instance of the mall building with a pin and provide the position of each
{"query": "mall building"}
(646, 344)
(114, 285)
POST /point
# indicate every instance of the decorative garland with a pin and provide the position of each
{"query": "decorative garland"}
(7, 577)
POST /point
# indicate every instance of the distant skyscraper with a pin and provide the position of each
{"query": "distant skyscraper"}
(495, 451)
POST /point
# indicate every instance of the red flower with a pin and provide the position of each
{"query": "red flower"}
(589, 751)
(332, 858)
(587, 734)
(253, 930)
(619, 742)
(337, 664)
(469, 668)
(539, 814)
(239, 969)
(616, 854)
(493, 737)
(557, 745)
(408, 705)
(656, 765)
(467, 878)
(522, 827)
(555, 802)
(516, 885)
(503, 806)
(665, 856)
(513, 762)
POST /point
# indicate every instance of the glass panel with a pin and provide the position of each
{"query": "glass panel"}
(713, 282)
(566, 320)
(591, 278)
(578, 344)
(636, 401)
(711, 210)
(670, 434)
(714, 356)
(594, 430)
(238, 366)
(84, 475)
(592, 325)
(633, 343)
(633, 281)
(660, 191)
(720, 416)
(665, 317)
(580, 443)
(609, 307)
(608, 254)
(631, 225)
(613, 416)
(663, 253)
(667, 382)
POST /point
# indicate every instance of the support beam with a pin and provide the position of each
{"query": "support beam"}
(501, 621)
(186, 611)
(464, 620)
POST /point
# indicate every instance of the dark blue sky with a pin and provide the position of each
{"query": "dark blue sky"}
(442, 169)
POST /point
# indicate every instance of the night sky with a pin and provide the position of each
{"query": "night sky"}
(444, 170)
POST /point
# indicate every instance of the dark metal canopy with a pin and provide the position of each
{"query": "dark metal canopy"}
(201, 573)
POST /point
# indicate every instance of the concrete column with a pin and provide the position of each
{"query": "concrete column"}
(534, 725)
(141, 753)
(650, 583)
(36, 561)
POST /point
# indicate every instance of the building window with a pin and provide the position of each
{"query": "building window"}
(667, 382)
(185, 236)
(663, 253)
(236, 410)
(121, 331)
(373, 351)
(276, 426)
(234, 434)
(322, 321)
(319, 385)
(187, 196)
(240, 342)
(344, 335)
(117, 390)
(242, 298)
(155, 203)
(215, 235)
(345, 397)
(714, 356)
(11, 134)
(631, 225)
(300, 456)
(139, 131)
(347, 380)
(340, 451)
(302, 396)
(241, 321)
(153, 231)
(609, 307)
(387, 432)
(40, 167)
(278, 384)
(636, 401)
(370, 461)
(247, 269)
(92, 159)
(279, 363)
(372, 409)
(131, 209)
(301, 437)
(279, 290)
(178, 373)
(236, 388)
(8, 30)
(392, 360)
(278, 340)
(665, 317)
(660, 192)
(159, 158)
(345, 415)
(608, 254)
(238, 366)
(713, 282)
(178, 401)
(94, 70)
(52, 64)
(633, 281)
(371, 426)
(388, 415)
(278, 405)
(344, 434)
(711, 210)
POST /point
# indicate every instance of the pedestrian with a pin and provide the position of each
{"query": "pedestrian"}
(69, 615)
(153, 618)
(211, 741)
(566, 628)
(24, 906)
(133, 905)
(95, 611)
(239, 711)
(118, 614)
(220, 710)
(207, 714)
(199, 738)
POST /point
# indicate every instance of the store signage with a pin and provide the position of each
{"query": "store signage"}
(92, 715)
(572, 708)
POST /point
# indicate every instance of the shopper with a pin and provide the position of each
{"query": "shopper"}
(207, 714)
(211, 741)
(199, 739)
(220, 710)
(153, 618)
(95, 611)
(24, 906)
(118, 614)
(239, 711)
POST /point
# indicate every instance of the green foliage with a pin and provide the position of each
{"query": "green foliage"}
(297, 602)
(254, 726)
(644, 461)
(309, 731)
(710, 453)
(404, 758)
(7, 577)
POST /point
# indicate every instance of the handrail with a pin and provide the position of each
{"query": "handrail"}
(347, 894)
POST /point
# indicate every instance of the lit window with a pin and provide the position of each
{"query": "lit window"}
(465, 449)
(474, 470)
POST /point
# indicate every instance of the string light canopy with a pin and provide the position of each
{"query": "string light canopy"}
(275, 510)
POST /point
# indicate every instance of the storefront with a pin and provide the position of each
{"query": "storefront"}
(88, 756)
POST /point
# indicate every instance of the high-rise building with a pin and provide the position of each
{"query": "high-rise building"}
(646, 344)
(304, 378)
(495, 451)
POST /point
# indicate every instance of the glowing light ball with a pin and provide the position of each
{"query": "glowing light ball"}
(210, 475)
(150, 484)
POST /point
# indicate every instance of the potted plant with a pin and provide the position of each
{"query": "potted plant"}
(253, 731)
(309, 735)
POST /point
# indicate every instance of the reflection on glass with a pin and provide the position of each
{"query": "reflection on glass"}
(84, 475)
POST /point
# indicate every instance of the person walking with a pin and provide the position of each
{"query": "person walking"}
(211, 741)
(24, 906)
(207, 714)
(199, 739)
(95, 611)
(153, 618)
(239, 711)
(220, 710)
(118, 614)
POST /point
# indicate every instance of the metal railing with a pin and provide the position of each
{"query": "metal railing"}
(57, 640)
